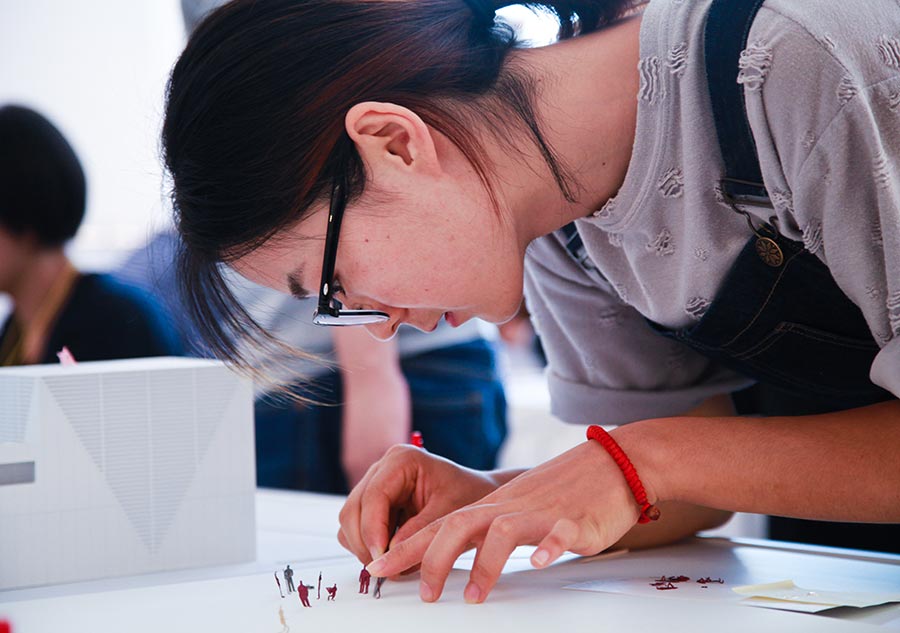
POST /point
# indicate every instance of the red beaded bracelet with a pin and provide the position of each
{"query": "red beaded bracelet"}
(649, 512)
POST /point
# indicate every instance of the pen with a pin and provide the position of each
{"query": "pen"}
(415, 438)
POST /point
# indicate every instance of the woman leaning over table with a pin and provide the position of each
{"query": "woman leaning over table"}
(408, 162)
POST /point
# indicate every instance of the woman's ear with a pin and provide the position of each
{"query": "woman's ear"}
(389, 134)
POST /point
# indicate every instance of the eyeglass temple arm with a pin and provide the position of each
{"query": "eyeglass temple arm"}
(335, 215)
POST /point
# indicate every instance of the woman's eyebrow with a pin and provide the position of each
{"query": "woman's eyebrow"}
(294, 285)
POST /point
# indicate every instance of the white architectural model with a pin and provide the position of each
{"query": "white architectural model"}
(123, 467)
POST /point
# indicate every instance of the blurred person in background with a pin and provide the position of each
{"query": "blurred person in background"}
(42, 204)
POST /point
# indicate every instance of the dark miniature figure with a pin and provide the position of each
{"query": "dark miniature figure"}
(364, 577)
(303, 592)
(332, 591)
(289, 578)
(377, 592)
(278, 582)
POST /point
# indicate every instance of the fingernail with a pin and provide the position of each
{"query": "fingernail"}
(472, 594)
(425, 592)
(540, 557)
(376, 566)
(375, 552)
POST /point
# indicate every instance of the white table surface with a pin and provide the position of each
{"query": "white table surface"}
(299, 529)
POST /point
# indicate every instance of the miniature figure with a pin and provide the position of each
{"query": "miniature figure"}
(332, 591)
(665, 578)
(278, 582)
(319, 591)
(377, 592)
(662, 586)
(303, 592)
(289, 578)
(364, 577)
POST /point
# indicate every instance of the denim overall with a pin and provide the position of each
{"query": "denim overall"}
(779, 317)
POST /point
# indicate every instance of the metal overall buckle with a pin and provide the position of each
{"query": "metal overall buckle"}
(767, 247)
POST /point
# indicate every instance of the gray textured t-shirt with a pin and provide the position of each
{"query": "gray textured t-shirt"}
(822, 89)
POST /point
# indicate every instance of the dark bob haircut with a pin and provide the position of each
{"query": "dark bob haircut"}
(42, 186)
(254, 128)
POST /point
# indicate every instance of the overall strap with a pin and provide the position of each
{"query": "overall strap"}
(577, 251)
(725, 36)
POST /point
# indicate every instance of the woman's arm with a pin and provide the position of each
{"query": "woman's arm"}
(680, 519)
(377, 410)
(836, 466)
(839, 466)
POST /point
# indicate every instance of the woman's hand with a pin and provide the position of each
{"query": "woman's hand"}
(407, 484)
(578, 501)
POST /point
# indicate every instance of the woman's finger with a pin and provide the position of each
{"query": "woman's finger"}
(388, 489)
(456, 534)
(343, 539)
(405, 554)
(430, 513)
(506, 532)
(561, 538)
(349, 534)
(375, 520)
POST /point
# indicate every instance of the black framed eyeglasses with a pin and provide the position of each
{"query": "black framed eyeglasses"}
(330, 311)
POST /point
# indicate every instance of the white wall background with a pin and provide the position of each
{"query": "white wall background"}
(97, 69)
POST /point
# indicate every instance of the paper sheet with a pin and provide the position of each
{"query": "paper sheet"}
(691, 589)
(783, 595)
(786, 595)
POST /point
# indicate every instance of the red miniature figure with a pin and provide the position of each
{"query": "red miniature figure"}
(364, 577)
(332, 591)
(663, 586)
(303, 592)
(672, 579)
(667, 580)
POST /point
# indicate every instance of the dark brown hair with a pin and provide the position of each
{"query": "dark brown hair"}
(42, 184)
(254, 129)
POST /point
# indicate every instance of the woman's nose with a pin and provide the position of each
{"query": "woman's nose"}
(383, 331)
(386, 330)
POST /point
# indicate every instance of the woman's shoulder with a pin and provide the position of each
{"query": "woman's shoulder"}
(817, 37)
(808, 64)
